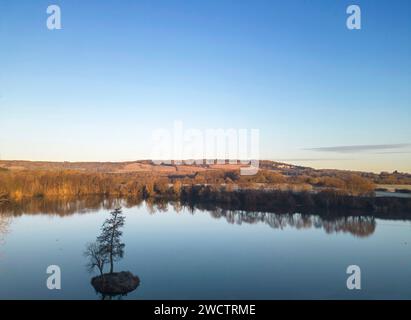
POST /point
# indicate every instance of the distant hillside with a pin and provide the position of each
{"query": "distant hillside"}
(135, 166)
(173, 169)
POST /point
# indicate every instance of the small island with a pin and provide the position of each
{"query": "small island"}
(117, 283)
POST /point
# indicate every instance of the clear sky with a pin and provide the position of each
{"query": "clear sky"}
(320, 94)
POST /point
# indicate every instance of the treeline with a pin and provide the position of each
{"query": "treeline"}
(391, 178)
(18, 184)
(347, 183)
(380, 178)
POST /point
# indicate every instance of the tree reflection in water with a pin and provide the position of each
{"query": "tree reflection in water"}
(5, 222)
(357, 225)
(361, 226)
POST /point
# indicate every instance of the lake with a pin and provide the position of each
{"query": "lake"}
(184, 253)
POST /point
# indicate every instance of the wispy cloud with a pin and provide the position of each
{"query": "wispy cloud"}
(393, 152)
(312, 159)
(360, 148)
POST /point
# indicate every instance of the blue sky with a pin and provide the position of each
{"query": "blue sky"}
(96, 90)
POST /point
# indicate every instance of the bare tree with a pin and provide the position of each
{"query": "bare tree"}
(98, 258)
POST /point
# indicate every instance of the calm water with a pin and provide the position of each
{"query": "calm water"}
(182, 254)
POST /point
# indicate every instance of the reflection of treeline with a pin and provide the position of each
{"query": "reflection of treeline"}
(18, 184)
(57, 205)
(326, 202)
(360, 226)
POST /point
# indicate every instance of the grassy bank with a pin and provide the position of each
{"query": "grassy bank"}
(18, 184)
